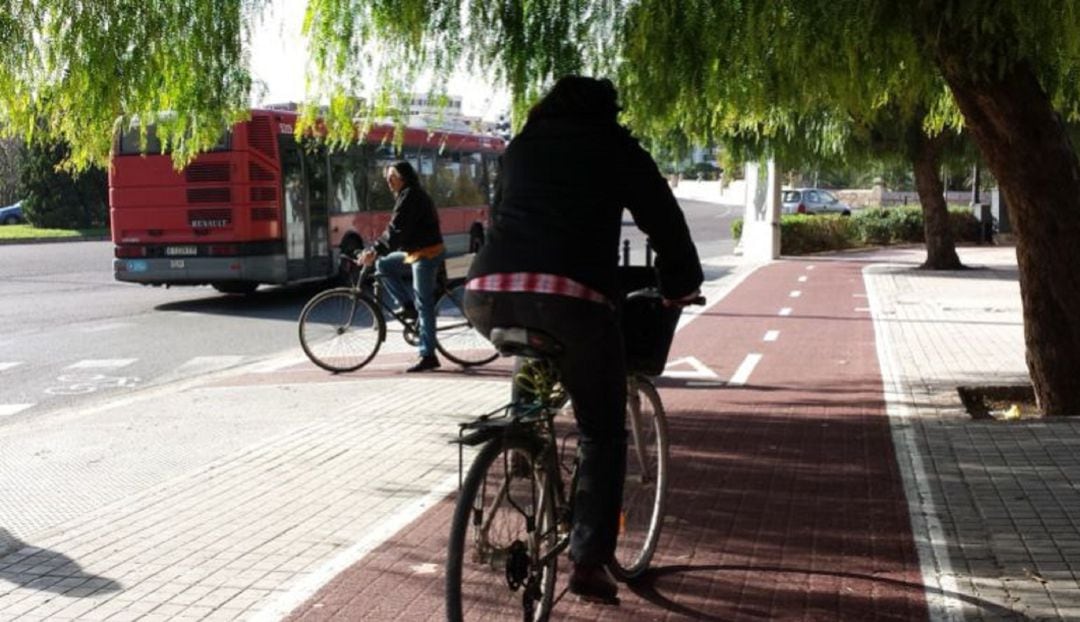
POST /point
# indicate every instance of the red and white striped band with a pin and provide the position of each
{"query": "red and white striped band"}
(534, 282)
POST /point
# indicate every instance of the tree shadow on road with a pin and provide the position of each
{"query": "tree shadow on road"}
(872, 596)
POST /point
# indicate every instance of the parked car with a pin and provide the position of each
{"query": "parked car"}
(11, 214)
(812, 201)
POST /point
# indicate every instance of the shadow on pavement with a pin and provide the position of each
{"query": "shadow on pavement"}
(43, 570)
(276, 303)
(651, 588)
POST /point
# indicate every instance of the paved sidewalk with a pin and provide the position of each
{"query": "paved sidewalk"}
(245, 493)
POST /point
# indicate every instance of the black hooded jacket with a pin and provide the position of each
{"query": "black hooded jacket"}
(563, 186)
(413, 225)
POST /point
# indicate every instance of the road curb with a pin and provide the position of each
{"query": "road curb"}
(78, 238)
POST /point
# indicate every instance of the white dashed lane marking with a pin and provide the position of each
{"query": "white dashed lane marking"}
(795, 294)
(802, 279)
(785, 311)
(7, 410)
(772, 335)
(742, 374)
(4, 366)
(101, 364)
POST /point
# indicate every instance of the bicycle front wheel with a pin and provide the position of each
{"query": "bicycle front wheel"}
(501, 563)
(646, 481)
(340, 330)
(455, 336)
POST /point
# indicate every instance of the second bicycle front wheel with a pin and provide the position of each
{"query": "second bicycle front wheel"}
(645, 486)
(501, 563)
(340, 330)
(455, 336)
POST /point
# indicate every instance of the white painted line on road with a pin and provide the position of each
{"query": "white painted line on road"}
(785, 311)
(802, 279)
(311, 583)
(795, 294)
(100, 328)
(101, 364)
(200, 364)
(277, 364)
(858, 295)
(698, 369)
(862, 309)
(930, 540)
(6, 410)
(4, 366)
(772, 335)
(742, 374)
(810, 267)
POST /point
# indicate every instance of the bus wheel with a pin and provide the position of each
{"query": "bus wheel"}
(235, 287)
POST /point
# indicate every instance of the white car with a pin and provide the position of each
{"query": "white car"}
(812, 201)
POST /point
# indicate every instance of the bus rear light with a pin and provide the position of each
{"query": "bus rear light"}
(224, 250)
(130, 251)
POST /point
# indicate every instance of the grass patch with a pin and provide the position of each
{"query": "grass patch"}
(29, 232)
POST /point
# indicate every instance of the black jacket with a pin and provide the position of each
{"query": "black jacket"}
(563, 186)
(414, 224)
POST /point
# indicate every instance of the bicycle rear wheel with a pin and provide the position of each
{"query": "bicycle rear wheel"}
(504, 522)
(455, 336)
(646, 481)
(340, 330)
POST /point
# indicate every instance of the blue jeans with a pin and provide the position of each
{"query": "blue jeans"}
(424, 273)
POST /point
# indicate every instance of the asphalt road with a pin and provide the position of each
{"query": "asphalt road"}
(70, 335)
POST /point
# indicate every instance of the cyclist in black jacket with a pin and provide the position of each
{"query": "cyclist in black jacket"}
(412, 240)
(550, 263)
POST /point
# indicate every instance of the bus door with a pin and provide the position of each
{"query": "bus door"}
(304, 180)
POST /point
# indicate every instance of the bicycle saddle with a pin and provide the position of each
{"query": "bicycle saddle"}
(529, 342)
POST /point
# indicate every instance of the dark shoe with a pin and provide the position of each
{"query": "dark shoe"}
(593, 584)
(425, 363)
(409, 312)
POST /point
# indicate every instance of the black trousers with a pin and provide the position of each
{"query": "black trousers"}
(593, 370)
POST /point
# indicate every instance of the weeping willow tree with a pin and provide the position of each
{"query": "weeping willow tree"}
(1003, 71)
(73, 71)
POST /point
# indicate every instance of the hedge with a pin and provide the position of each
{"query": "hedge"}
(802, 233)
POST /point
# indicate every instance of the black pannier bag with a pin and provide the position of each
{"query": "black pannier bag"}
(648, 326)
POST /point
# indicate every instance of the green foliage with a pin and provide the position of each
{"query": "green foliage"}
(802, 233)
(58, 199)
(73, 71)
(876, 226)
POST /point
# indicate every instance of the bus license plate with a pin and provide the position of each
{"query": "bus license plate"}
(176, 263)
(181, 251)
(137, 265)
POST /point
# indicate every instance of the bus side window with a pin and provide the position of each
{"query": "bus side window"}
(379, 197)
(491, 177)
(346, 173)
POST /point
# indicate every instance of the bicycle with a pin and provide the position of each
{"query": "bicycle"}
(343, 328)
(513, 514)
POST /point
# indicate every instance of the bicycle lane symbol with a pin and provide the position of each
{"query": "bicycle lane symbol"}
(82, 384)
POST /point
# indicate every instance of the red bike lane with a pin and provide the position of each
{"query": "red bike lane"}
(785, 499)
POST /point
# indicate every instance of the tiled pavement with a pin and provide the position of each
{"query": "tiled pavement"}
(263, 517)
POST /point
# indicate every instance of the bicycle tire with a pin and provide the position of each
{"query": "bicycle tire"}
(645, 487)
(478, 588)
(455, 336)
(340, 330)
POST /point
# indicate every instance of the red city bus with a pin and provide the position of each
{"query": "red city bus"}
(261, 207)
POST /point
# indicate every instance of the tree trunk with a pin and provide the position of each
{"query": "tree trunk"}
(926, 156)
(1023, 141)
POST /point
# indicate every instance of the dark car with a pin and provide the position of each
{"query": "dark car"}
(12, 214)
